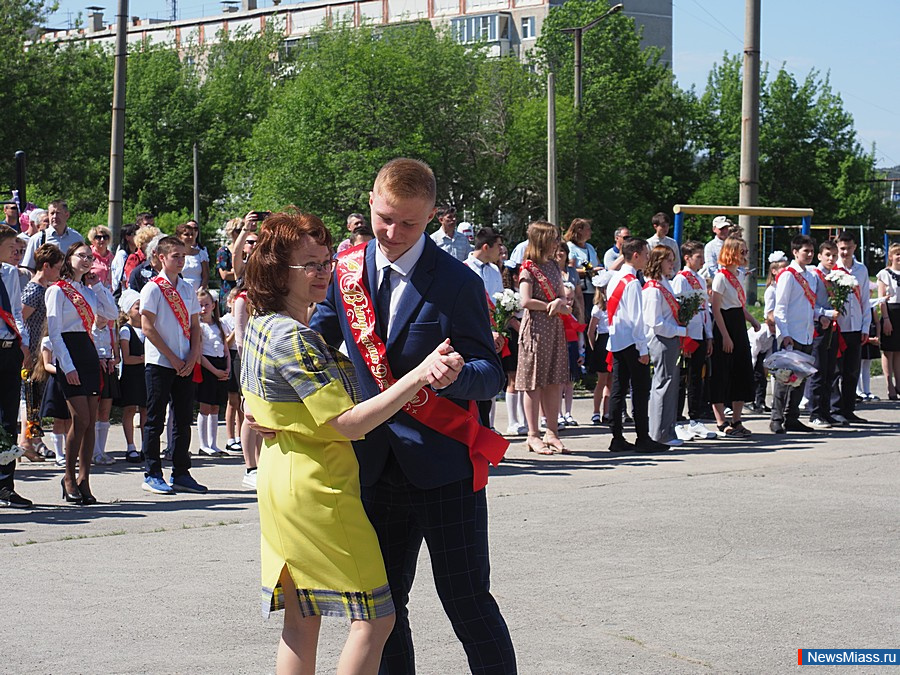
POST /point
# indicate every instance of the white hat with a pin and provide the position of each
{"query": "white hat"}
(466, 229)
(721, 221)
(127, 299)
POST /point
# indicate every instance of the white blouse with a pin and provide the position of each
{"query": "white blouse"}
(193, 267)
(62, 317)
(659, 320)
(213, 340)
(893, 286)
(730, 297)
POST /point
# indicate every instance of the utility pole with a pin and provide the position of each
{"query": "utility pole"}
(552, 210)
(117, 143)
(749, 195)
(196, 185)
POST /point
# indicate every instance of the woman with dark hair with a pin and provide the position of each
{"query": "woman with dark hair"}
(117, 277)
(320, 555)
(73, 303)
(196, 257)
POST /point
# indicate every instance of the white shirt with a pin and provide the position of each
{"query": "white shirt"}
(166, 324)
(655, 241)
(602, 320)
(103, 337)
(731, 299)
(769, 300)
(627, 327)
(611, 256)
(711, 256)
(10, 276)
(227, 322)
(794, 315)
(62, 317)
(893, 286)
(659, 321)
(63, 242)
(490, 275)
(857, 313)
(699, 327)
(117, 267)
(213, 340)
(518, 253)
(193, 267)
(402, 269)
(456, 244)
(125, 334)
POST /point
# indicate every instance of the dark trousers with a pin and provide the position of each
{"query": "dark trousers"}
(820, 382)
(484, 412)
(163, 385)
(691, 386)
(452, 520)
(760, 381)
(629, 372)
(10, 376)
(786, 399)
(843, 395)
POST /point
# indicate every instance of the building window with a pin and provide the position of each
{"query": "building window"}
(527, 27)
(467, 30)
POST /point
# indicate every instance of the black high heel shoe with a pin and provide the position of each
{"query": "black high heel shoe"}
(71, 497)
(87, 498)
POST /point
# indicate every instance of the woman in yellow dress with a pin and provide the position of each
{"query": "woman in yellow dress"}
(320, 555)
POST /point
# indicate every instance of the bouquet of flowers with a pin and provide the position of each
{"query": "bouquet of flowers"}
(9, 451)
(790, 367)
(842, 285)
(689, 305)
(506, 304)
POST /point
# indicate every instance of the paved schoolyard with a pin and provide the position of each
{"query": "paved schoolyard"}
(722, 556)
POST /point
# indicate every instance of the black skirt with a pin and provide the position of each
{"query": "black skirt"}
(598, 355)
(731, 376)
(212, 390)
(53, 404)
(891, 343)
(512, 359)
(132, 386)
(87, 365)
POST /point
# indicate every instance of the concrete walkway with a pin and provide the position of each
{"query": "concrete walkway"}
(719, 557)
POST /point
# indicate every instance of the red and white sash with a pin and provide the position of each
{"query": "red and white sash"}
(804, 284)
(176, 303)
(85, 313)
(436, 413)
(735, 283)
(542, 280)
(612, 306)
(667, 295)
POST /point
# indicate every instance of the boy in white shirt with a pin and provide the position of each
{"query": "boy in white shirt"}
(170, 321)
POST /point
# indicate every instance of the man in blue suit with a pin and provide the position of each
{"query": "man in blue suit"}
(417, 483)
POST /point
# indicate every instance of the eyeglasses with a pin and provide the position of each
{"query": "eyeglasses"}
(312, 269)
(100, 237)
(250, 242)
(86, 258)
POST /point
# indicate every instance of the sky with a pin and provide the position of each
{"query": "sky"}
(853, 43)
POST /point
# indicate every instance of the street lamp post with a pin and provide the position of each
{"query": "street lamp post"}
(577, 32)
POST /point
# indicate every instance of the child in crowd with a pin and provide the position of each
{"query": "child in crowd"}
(574, 332)
(697, 347)
(870, 351)
(53, 402)
(212, 391)
(777, 262)
(663, 331)
(234, 416)
(170, 319)
(598, 337)
(251, 442)
(104, 336)
(515, 400)
(132, 384)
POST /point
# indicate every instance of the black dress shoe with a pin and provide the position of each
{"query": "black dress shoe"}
(9, 497)
(776, 427)
(619, 444)
(87, 498)
(648, 445)
(856, 419)
(70, 497)
(797, 425)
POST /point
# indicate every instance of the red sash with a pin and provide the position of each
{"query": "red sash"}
(85, 313)
(612, 306)
(692, 280)
(10, 321)
(733, 280)
(491, 306)
(670, 299)
(542, 280)
(804, 284)
(179, 309)
(436, 413)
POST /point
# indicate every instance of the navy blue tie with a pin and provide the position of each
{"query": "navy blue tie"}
(383, 303)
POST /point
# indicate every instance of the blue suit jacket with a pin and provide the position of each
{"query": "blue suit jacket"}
(443, 299)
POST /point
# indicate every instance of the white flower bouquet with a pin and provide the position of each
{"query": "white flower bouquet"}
(842, 285)
(9, 451)
(790, 367)
(506, 304)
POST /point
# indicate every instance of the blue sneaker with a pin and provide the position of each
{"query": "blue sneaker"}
(155, 484)
(185, 483)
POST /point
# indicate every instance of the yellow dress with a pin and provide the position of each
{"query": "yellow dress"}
(311, 518)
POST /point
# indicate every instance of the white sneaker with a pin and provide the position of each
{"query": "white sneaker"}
(683, 432)
(674, 443)
(512, 430)
(102, 459)
(211, 452)
(804, 403)
(700, 431)
(249, 479)
(819, 423)
(561, 421)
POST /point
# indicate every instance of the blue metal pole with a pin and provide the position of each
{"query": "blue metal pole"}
(807, 225)
(679, 225)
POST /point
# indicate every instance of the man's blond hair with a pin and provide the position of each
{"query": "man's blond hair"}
(404, 178)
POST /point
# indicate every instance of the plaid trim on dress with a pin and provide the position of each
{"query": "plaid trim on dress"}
(364, 605)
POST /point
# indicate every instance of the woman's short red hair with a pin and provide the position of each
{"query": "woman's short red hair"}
(266, 273)
(731, 252)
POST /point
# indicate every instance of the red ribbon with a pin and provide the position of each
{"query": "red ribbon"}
(612, 306)
(439, 414)
(733, 280)
(85, 313)
(804, 284)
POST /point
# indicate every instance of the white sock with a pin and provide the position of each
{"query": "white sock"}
(96, 439)
(512, 408)
(567, 399)
(201, 431)
(58, 441)
(493, 408)
(212, 430)
(520, 408)
(101, 434)
(865, 375)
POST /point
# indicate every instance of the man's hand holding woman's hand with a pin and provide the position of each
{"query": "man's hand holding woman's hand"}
(441, 368)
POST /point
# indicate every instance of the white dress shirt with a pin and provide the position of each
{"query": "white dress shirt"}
(711, 256)
(10, 276)
(49, 236)
(518, 253)
(627, 326)
(62, 317)
(659, 321)
(794, 315)
(456, 244)
(699, 327)
(731, 298)
(490, 275)
(213, 340)
(402, 269)
(166, 323)
(656, 240)
(857, 313)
